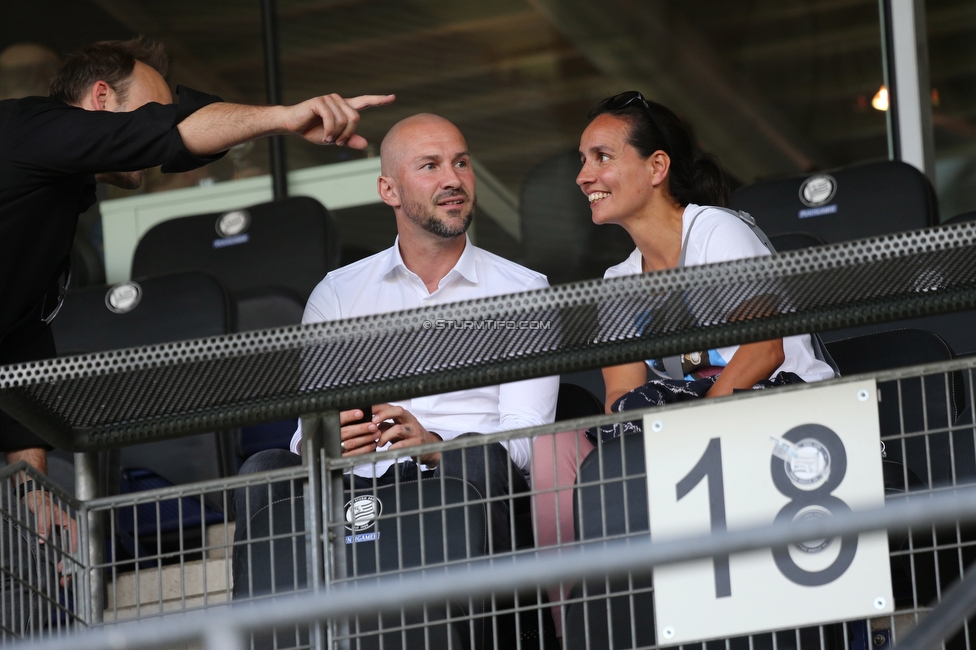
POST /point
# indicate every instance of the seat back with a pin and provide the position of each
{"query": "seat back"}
(558, 234)
(574, 401)
(960, 218)
(172, 307)
(391, 543)
(611, 501)
(917, 405)
(850, 203)
(792, 241)
(162, 309)
(281, 248)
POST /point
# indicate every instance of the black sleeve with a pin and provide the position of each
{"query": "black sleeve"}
(54, 138)
(190, 102)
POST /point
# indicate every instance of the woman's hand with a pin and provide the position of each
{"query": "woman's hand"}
(751, 363)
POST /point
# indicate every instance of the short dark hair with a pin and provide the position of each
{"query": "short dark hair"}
(108, 61)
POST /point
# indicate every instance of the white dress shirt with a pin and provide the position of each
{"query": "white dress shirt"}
(382, 283)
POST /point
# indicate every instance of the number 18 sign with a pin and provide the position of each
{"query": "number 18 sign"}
(751, 462)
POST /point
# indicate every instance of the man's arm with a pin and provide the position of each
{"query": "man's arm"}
(36, 457)
(321, 120)
(47, 514)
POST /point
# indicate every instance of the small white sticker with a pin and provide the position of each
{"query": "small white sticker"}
(124, 297)
(233, 223)
(818, 190)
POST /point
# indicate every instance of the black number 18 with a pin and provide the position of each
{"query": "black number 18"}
(710, 466)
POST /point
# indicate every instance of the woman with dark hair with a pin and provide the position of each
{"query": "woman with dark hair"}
(640, 171)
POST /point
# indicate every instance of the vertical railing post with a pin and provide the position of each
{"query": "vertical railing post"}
(272, 79)
(324, 506)
(86, 489)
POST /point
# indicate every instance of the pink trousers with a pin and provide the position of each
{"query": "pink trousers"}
(555, 462)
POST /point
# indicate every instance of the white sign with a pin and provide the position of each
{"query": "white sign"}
(782, 457)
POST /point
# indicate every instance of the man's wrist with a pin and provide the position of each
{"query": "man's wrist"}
(26, 488)
(431, 460)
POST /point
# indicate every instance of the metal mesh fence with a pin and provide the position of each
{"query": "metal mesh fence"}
(190, 549)
(43, 591)
(117, 398)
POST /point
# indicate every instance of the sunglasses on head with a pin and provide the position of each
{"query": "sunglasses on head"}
(625, 99)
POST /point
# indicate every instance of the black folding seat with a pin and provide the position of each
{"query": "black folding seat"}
(558, 234)
(915, 407)
(575, 401)
(269, 256)
(853, 202)
(172, 307)
(436, 527)
(960, 218)
(611, 502)
(791, 241)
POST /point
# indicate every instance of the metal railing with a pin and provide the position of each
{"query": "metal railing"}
(485, 596)
(160, 392)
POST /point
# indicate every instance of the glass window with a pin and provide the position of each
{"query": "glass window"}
(772, 87)
(951, 26)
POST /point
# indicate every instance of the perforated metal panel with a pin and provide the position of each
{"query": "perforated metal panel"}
(152, 393)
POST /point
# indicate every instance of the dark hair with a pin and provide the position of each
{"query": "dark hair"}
(695, 176)
(108, 61)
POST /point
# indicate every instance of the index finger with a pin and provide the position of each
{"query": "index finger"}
(368, 101)
(383, 412)
(346, 417)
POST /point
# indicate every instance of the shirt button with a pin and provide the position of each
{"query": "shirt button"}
(426, 303)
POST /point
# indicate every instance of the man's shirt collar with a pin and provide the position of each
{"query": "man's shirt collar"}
(466, 265)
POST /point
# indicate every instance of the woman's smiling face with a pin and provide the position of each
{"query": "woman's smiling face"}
(614, 177)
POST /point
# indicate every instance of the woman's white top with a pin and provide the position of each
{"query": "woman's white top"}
(720, 237)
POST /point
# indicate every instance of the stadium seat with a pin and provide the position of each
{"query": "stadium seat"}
(791, 241)
(173, 307)
(576, 402)
(558, 234)
(960, 218)
(838, 205)
(923, 404)
(601, 511)
(398, 544)
(156, 310)
(269, 256)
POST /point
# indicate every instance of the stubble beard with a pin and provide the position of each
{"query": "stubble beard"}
(425, 216)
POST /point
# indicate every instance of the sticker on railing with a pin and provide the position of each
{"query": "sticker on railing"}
(792, 456)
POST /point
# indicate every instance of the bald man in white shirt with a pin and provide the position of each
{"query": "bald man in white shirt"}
(428, 180)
